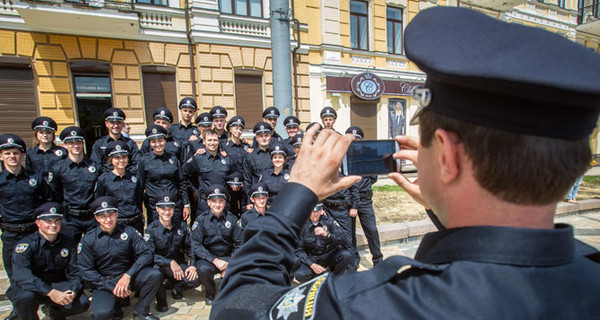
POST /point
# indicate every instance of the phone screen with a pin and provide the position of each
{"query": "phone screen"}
(371, 157)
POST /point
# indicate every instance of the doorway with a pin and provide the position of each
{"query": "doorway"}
(92, 97)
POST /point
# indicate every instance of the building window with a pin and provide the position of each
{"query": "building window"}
(394, 30)
(252, 8)
(562, 3)
(249, 95)
(153, 2)
(359, 25)
(159, 91)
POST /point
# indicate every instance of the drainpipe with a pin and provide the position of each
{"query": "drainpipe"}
(190, 48)
(295, 62)
(280, 53)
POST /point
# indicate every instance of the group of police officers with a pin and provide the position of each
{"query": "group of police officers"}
(201, 171)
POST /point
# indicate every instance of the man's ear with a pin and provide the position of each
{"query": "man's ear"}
(449, 154)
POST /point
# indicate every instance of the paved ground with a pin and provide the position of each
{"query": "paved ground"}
(587, 229)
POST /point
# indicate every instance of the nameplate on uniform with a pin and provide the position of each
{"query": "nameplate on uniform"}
(300, 302)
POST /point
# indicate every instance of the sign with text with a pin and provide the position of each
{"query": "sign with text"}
(367, 86)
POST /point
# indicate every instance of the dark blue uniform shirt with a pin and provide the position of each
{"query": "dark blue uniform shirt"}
(275, 181)
(162, 174)
(99, 156)
(169, 244)
(73, 183)
(207, 170)
(104, 258)
(471, 272)
(42, 161)
(183, 133)
(237, 153)
(38, 263)
(20, 195)
(214, 237)
(313, 245)
(256, 162)
(172, 146)
(127, 190)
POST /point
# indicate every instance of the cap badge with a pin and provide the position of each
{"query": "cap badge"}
(116, 114)
(277, 148)
(423, 96)
(104, 204)
(299, 139)
(272, 111)
(239, 121)
(218, 111)
(260, 189)
(353, 131)
(124, 236)
(45, 123)
(118, 147)
(64, 252)
(11, 140)
(236, 179)
(167, 199)
(73, 133)
(53, 210)
(217, 191)
(205, 118)
(262, 127)
(188, 102)
(227, 224)
(162, 112)
(154, 130)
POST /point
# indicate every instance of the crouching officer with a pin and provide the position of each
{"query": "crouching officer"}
(116, 260)
(215, 236)
(321, 247)
(45, 269)
(170, 242)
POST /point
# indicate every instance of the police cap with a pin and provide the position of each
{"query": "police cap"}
(543, 84)
(12, 141)
(234, 179)
(318, 207)
(165, 199)
(44, 124)
(259, 189)
(297, 140)
(104, 205)
(204, 120)
(114, 114)
(155, 131)
(271, 112)
(216, 191)
(262, 127)
(356, 132)
(49, 211)
(72, 134)
(188, 103)
(328, 112)
(116, 148)
(277, 148)
(218, 112)
(236, 121)
(291, 121)
(163, 113)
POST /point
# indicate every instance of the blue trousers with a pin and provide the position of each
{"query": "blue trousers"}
(27, 302)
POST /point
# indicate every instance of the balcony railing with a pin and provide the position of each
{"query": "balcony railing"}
(113, 4)
(588, 13)
(244, 25)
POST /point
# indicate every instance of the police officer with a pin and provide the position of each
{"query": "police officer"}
(292, 127)
(45, 270)
(185, 131)
(159, 171)
(44, 154)
(116, 260)
(328, 117)
(235, 148)
(170, 242)
(496, 132)
(260, 158)
(73, 182)
(219, 114)
(237, 201)
(270, 115)
(362, 206)
(123, 186)
(208, 169)
(278, 175)
(114, 121)
(21, 192)
(321, 247)
(338, 206)
(296, 144)
(215, 236)
(204, 122)
(164, 118)
(259, 195)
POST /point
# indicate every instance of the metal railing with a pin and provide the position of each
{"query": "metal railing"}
(244, 25)
(588, 13)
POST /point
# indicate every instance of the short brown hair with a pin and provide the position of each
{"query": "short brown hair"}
(517, 168)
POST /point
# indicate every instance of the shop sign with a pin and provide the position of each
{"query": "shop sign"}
(367, 86)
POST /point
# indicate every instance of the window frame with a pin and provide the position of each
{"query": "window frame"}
(248, 9)
(358, 28)
(394, 21)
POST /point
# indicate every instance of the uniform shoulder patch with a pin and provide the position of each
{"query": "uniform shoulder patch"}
(300, 302)
(146, 237)
(79, 246)
(21, 247)
(195, 225)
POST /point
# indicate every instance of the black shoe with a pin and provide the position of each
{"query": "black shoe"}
(176, 294)
(149, 316)
(12, 316)
(118, 315)
(162, 307)
(208, 301)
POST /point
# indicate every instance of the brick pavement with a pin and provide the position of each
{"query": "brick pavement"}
(587, 229)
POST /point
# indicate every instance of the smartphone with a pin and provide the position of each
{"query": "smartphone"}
(371, 158)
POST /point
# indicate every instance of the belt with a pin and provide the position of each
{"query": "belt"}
(21, 227)
(78, 213)
(322, 251)
(130, 220)
(335, 203)
(366, 195)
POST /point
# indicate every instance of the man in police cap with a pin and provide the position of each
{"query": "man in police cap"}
(328, 117)
(219, 114)
(260, 158)
(504, 134)
(185, 131)
(114, 119)
(73, 182)
(270, 115)
(21, 192)
(259, 195)
(215, 236)
(115, 260)
(46, 270)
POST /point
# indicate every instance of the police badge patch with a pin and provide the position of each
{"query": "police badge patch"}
(227, 224)
(223, 161)
(180, 232)
(64, 252)
(79, 246)
(175, 143)
(32, 182)
(124, 236)
(133, 179)
(293, 305)
(286, 176)
(21, 247)
(92, 169)
(58, 153)
(171, 161)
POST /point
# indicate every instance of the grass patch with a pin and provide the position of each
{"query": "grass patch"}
(390, 188)
(592, 181)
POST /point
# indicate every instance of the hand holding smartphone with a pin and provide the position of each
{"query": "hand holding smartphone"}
(371, 157)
